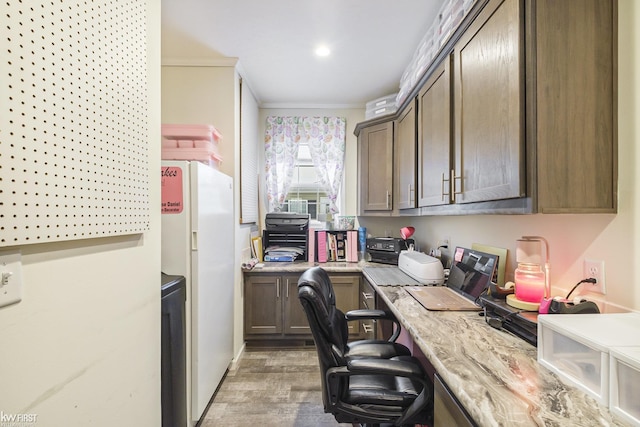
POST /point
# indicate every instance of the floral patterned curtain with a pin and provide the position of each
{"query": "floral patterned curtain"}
(281, 141)
(326, 139)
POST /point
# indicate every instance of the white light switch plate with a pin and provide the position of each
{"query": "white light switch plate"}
(10, 277)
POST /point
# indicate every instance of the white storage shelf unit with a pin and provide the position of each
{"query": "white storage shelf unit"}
(624, 396)
(577, 347)
(449, 17)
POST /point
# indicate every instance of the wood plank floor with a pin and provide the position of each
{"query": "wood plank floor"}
(271, 388)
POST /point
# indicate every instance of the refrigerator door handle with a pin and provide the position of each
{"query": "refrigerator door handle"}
(194, 240)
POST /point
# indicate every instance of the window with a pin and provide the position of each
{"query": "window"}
(304, 160)
(306, 194)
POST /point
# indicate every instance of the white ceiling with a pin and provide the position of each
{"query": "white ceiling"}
(372, 42)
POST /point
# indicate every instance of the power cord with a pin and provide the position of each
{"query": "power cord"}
(589, 280)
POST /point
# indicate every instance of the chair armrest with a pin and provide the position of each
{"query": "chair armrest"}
(363, 314)
(366, 314)
(400, 368)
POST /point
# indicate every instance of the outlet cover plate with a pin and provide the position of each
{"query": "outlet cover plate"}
(10, 277)
(594, 268)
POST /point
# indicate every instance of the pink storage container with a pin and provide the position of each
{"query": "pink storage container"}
(192, 154)
(169, 143)
(191, 142)
(198, 143)
(185, 143)
(191, 132)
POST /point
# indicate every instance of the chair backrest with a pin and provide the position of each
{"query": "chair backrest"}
(328, 324)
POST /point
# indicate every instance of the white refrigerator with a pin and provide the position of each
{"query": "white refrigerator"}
(198, 243)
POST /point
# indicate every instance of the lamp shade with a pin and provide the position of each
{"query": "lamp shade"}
(529, 251)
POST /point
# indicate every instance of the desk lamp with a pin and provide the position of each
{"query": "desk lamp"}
(531, 283)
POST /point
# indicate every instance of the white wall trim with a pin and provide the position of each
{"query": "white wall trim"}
(236, 360)
(311, 106)
(200, 62)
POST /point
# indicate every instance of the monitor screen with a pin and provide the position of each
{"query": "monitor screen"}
(471, 271)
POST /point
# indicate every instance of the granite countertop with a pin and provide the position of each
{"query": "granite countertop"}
(495, 375)
(300, 266)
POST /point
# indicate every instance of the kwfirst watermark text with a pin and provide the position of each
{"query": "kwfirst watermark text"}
(17, 420)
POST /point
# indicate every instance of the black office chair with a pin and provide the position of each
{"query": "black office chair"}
(361, 348)
(362, 382)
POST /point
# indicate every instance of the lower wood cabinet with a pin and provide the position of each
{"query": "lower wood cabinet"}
(272, 310)
(447, 410)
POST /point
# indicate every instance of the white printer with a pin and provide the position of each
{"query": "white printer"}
(422, 267)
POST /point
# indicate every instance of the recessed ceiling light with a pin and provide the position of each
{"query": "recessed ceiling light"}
(323, 51)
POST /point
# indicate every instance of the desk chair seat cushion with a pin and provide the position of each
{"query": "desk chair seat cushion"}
(375, 348)
(387, 390)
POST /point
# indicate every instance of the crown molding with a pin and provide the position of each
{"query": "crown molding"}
(199, 62)
(297, 106)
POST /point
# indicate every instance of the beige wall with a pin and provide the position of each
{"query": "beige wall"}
(572, 238)
(83, 346)
(203, 95)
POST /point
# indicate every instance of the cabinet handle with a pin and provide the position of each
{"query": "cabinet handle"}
(367, 328)
(287, 288)
(367, 295)
(412, 194)
(388, 199)
(277, 288)
(442, 193)
(453, 182)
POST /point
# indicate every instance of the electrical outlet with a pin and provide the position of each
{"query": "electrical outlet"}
(595, 269)
(10, 278)
(443, 241)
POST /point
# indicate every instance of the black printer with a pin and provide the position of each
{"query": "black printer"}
(387, 249)
(286, 221)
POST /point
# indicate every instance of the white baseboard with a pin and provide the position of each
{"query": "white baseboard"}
(236, 360)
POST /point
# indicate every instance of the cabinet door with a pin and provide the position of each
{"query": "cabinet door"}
(434, 138)
(263, 305)
(489, 106)
(347, 291)
(405, 152)
(295, 319)
(375, 162)
(575, 66)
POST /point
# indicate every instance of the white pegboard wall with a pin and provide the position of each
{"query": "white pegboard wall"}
(74, 135)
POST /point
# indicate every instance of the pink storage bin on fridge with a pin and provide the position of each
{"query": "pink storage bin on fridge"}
(185, 143)
(169, 143)
(191, 132)
(192, 154)
(191, 142)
